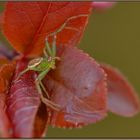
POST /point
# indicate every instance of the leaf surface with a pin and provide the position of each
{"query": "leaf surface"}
(122, 98)
(27, 24)
(6, 72)
(78, 86)
(3, 60)
(5, 125)
(24, 107)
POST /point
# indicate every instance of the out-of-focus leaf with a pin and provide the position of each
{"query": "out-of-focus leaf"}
(6, 52)
(27, 24)
(3, 60)
(6, 72)
(122, 98)
(28, 116)
(103, 5)
(78, 86)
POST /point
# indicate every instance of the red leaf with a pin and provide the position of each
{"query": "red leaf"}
(78, 86)
(3, 60)
(122, 98)
(26, 24)
(27, 114)
(6, 72)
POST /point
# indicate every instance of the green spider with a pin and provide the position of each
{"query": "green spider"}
(43, 65)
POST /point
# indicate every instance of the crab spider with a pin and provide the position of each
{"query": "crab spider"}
(43, 65)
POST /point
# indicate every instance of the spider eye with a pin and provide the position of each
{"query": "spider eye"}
(35, 62)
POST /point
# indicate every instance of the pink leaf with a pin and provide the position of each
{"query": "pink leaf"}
(122, 98)
(78, 86)
(103, 5)
(24, 106)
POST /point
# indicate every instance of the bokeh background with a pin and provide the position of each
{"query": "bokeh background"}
(113, 37)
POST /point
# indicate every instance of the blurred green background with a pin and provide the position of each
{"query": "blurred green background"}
(113, 37)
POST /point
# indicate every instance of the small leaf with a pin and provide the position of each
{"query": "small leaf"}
(103, 5)
(24, 106)
(6, 72)
(78, 86)
(27, 24)
(122, 98)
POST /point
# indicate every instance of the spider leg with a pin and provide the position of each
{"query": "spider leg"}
(50, 103)
(54, 46)
(43, 88)
(21, 73)
(47, 49)
(59, 30)
(45, 53)
(40, 78)
(39, 85)
(65, 24)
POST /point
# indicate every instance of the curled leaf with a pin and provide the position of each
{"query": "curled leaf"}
(5, 125)
(24, 107)
(40, 19)
(122, 98)
(6, 72)
(78, 86)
